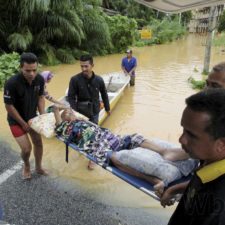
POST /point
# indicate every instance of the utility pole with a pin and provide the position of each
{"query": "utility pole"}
(209, 38)
(179, 18)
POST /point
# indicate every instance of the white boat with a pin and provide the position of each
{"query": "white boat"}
(115, 84)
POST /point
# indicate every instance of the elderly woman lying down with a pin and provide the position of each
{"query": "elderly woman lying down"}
(152, 160)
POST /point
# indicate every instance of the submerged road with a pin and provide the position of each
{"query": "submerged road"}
(48, 200)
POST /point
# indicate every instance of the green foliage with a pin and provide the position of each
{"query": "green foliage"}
(221, 26)
(60, 30)
(42, 22)
(20, 41)
(77, 53)
(205, 73)
(123, 32)
(132, 9)
(96, 30)
(94, 3)
(195, 70)
(140, 43)
(219, 40)
(65, 55)
(197, 84)
(163, 31)
(186, 17)
(48, 55)
(166, 30)
(9, 65)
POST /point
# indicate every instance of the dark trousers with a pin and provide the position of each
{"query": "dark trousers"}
(94, 118)
(132, 80)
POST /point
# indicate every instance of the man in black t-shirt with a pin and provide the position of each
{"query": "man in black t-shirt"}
(215, 79)
(203, 138)
(84, 90)
(23, 95)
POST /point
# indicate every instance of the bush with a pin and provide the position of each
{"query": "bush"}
(219, 40)
(65, 55)
(197, 84)
(97, 36)
(77, 53)
(48, 55)
(140, 43)
(221, 26)
(122, 31)
(166, 30)
(9, 65)
(163, 31)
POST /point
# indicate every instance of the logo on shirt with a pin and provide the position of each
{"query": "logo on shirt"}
(37, 88)
(6, 95)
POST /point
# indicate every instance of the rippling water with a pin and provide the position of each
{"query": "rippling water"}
(153, 108)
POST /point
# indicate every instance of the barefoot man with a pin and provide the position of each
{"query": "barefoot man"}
(23, 95)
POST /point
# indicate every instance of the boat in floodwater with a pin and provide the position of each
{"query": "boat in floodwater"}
(115, 84)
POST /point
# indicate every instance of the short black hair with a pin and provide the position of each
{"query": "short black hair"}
(219, 68)
(87, 57)
(211, 101)
(28, 57)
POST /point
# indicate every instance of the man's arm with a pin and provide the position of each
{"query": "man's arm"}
(134, 68)
(104, 95)
(41, 104)
(57, 115)
(123, 67)
(16, 116)
(53, 100)
(41, 97)
(170, 193)
(72, 94)
(124, 70)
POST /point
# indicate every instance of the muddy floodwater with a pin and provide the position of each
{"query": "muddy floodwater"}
(153, 108)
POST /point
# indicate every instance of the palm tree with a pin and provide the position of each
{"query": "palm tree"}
(40, 25)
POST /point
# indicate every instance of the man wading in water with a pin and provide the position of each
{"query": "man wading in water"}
(23, 95)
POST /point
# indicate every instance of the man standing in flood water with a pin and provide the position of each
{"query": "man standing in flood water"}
(129, 65)
(84, 90)
(23, 95)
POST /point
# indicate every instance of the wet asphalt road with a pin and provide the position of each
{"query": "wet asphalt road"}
(48, 201)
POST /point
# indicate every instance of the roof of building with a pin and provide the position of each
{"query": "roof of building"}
(176, 6)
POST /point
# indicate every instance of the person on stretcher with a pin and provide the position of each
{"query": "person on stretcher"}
(158, 162)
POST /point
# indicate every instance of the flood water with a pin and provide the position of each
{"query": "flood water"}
(152, 108)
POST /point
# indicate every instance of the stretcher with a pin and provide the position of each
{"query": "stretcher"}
(136, 182)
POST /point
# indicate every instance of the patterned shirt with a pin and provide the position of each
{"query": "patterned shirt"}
(94, 140)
